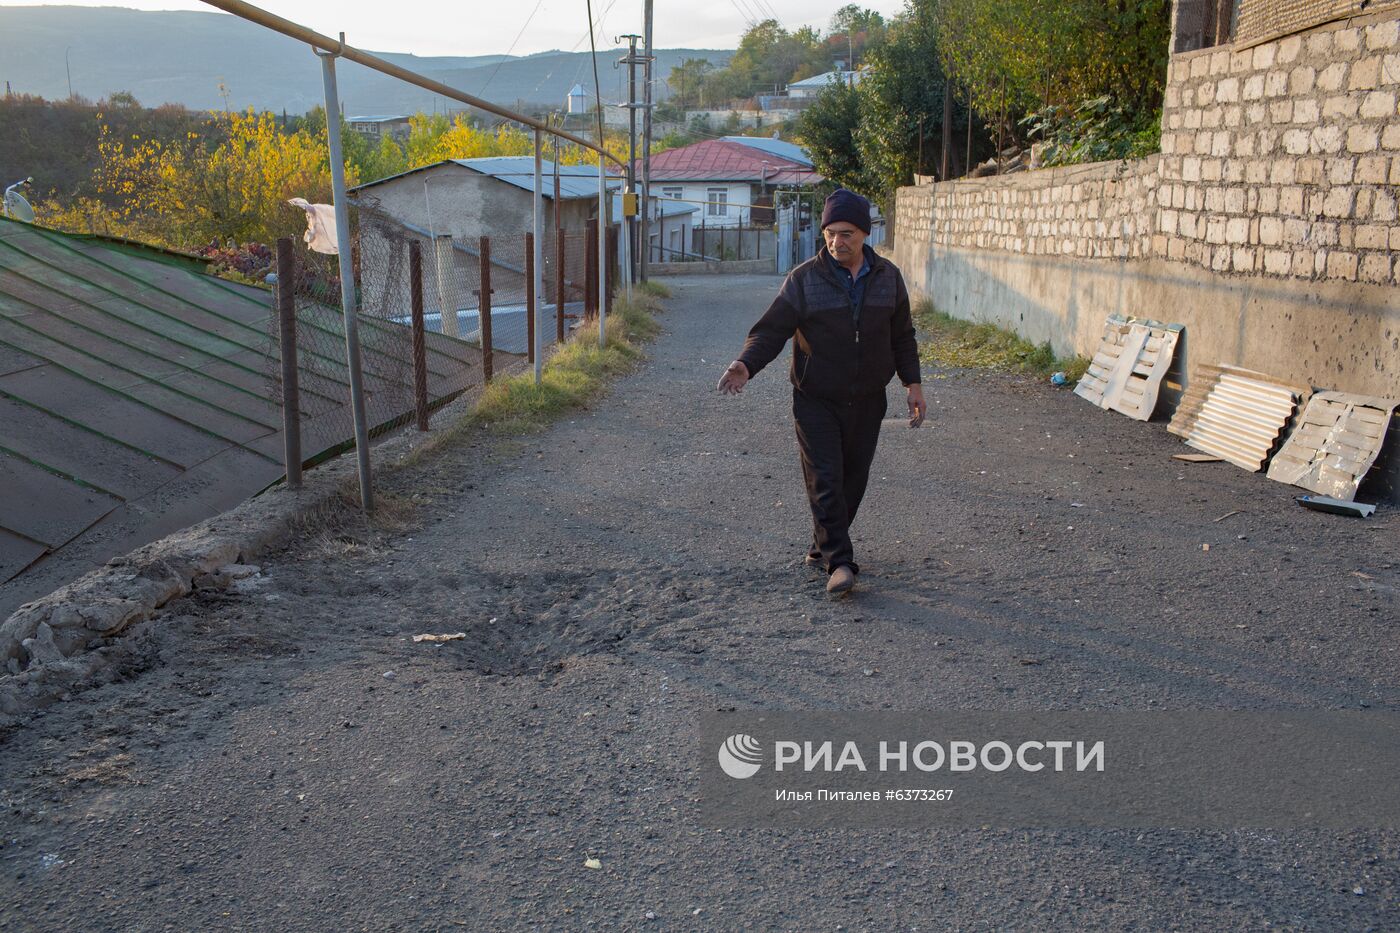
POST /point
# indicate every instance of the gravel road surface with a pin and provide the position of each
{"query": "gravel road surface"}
(284, 757)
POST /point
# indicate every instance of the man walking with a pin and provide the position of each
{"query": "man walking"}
(849, 311)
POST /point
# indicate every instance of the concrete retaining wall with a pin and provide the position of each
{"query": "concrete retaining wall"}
(736, 267)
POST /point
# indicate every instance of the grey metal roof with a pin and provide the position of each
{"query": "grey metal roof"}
(827, 77)
(135, 400)
(575, 181)
(778, 147)
(379, 118)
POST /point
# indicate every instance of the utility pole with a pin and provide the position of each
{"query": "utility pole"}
(645, 236)
(631, 61)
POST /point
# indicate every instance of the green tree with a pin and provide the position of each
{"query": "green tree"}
(828, 130)
(687, 81)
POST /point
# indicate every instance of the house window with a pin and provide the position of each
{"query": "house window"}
(717, 202)
(673, 193)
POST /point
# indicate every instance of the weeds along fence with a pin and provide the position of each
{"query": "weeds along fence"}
(438, 316)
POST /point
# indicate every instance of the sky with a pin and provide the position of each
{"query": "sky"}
(426, 27)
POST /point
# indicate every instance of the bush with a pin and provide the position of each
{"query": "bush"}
(1095, 130)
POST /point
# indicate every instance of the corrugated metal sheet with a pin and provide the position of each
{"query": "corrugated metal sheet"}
(1236, 414)
(721, 160)
(1126, 372)
(1336, 442)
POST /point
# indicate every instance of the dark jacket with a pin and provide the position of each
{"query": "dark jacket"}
(841, 352)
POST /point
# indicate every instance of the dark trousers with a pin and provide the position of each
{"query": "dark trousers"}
(837, 441)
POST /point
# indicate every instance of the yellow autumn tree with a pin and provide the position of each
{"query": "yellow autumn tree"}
(231, 182)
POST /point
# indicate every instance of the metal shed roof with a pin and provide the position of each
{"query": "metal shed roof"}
(575, 181)
(134, 400)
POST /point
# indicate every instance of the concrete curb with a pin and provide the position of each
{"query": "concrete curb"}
(55, 644)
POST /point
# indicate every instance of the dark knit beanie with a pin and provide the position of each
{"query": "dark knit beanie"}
(846, 205)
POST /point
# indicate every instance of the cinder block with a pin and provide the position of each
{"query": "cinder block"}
(1372, 170)
(1332, 77)
(1290, 200)
(1378, 104)
(1338, 201)
(1270, 231)
(1289, 49)
(1341, 107)
(1346, 40)
(1237, 230)
(1362, 139)
(1277, 261)
(1281, 111)
(1382, 35)
(1371, 236)
(1298, 142)
(1341, 265)
(1340, 171)
(1305, 111)
(1304, 261)
(1253, 87)
(1364, 74)
(1325, 139)
(1242, 259)
(1301, 80)
(1375, 267)
(1276, 83)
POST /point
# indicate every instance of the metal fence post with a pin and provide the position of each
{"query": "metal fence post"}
(484, 311)
(590, 276)
(534, 246)
(610, 264)
(530, 298)
(287, 340)
(559, 251)
(602, 244)
(442, 268)
(347, 277)
(420, 351)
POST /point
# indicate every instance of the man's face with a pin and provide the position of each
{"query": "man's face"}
(844, 241)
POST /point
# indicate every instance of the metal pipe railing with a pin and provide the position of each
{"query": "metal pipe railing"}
(338, 47)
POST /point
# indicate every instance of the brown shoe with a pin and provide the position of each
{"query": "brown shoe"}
(841, 581)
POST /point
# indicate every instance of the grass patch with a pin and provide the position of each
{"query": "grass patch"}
(653, 288)
(573, 376)
(948, 341)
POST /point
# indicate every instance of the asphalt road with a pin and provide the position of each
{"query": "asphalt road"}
(286, 758)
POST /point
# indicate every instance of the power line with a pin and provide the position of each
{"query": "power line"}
(497, 69)
(597, 85)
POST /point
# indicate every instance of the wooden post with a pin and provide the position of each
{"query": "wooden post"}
(420, 351)
(559, 252)
(530, 294)
(287, 339)
(484, 310)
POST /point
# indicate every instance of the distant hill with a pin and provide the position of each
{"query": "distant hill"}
(184, 57)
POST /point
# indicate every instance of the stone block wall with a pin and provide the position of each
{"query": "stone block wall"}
(1102, 210)
(1281, 159)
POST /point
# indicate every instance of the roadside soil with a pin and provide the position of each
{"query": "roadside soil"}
(284, 757)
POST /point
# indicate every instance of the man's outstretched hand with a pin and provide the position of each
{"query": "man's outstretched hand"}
(918, 408)
(734, 378)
